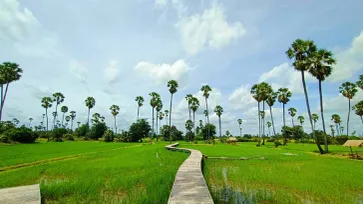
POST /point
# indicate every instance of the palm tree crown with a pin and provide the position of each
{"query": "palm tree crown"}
(173, 86)
(360, 82)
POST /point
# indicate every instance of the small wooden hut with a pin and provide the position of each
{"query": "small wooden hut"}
(353, 143)
(232, 140)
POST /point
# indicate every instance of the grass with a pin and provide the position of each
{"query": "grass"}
(303, 177)
(136, 174)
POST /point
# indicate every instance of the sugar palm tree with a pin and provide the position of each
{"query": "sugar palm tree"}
(264, 92)
(321, 68)
(154, 100)
(337, 120)
(64, 110)
(140, 102)
(9, 72)
(256, 95)
(219, 110)
(58, 98)
(206, 89)
(46, 103)
(194, 107)
(301, 120)
(73, 116)
(332, 130)
(315, 118)
(292, 113)
(161, 117)
(284, 97)
(68, 118)
(16, 121)
(269, 124)
(262, 115)
(301, 51)
(359, 110)
(30, 122)
(158, 108)
(90, 103)
(239, 121)
(115, 109)
(188, 98)
(189, 125)
(341, 128)
(271, 99)
(173, 88)
(360, 82)
(78, 123)
(348, 90)
(43, 117)
(205, 113)
(166, 114)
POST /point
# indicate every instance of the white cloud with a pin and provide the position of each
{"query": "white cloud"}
(78, 70)
(209, 29)
(241, 97)
(112, 72)
(349, 61)
(161, 3)
(284, 75)
(15, 23)
(161, 73)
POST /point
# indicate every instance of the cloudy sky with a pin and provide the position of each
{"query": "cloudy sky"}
(118, 50)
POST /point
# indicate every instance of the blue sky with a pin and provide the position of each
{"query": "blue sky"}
(118, 50)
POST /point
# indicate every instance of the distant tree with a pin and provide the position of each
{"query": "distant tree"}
(30, 122)
(161, 117)
(166, 114)
(188, 98)
(332, 130)
(68, 118)
(206, 89)
(64, 110)
(359, 109)
(292, 113)
(16, 121)
(58, 98)
(159, 107)
(269, 124)
(189, 126)
(336, 119)
(219, 110)
(138, 130)
(73, 116)
(360, 82)
(194, 107)
(348, 90)
(46, 103)
(284, 96)
(271, 99)
(301, 119)
(140, 102)
(239, 121)
(173, 88)
(115, 109)
(315, 118)
(154, 100)
(90, 103)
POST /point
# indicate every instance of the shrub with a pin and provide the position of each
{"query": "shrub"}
(22, 135)
(4, 138)
(224, 139)
(320, 137)
(189, 136)
(108, 136)
(81, 131)
(174, 133)
(354, 138)
(123, 137)
(295, 132)
(138, 130)
(208, 131)
(97, 131)
(341, 139)
(69, 137)
(270, 139)
(6, 126)
(247, 136)
(58, 133)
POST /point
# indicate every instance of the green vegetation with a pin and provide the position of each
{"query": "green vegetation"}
(287, 174)
(138, 174)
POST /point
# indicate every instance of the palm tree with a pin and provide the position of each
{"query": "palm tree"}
(189, 97)
(166, 114)
(284, 97)
(78, 123)
(58, 98)
(90, 103)
(115, 109)
(341, 128)
(332, 130)
(9, 72)
(16, 121)
(292, 113)
(189, 125)
(161, 117)
(264, 92)
(301, 120)
(322, 68)
(262, 115)
(30, 122)
(46, 103)
(73, 116)
(206, 89)
(348, 89)
(257, 96)
(239, 121)
(269, 124)
(360, 82)
(271, 99)
(219, 110)
(64, 110)
(194, 107)
(205, 112)
(336, 119)
(140, 102)
(153, 103)
(68, 118)
(301, 52)
(315, 118)
(173, 88)
(359, 109)
(43, 120)
(159, 106)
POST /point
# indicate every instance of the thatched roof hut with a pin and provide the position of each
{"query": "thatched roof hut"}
(353, 143)
(232, 140)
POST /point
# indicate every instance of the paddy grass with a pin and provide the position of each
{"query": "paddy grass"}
(301, 176)
(132, 174)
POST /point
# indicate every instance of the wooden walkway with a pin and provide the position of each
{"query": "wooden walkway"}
(20, 195)
(189, 185)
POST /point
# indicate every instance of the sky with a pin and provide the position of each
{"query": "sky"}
(117, 50)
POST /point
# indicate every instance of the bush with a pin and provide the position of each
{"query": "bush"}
(81, 131)
(341, 139)
(97, 131)
(4, 139)
(295, 132)
(174, 133)
(69, 137)
(354, 138)
(224, 139)
(58, 133)
(138, 130)
(242, 139)
(247, 136)
(22, 135)
(320, 137)
(108, 136)
(208, 131)
(123, 137)
(6, 126)
(189, 136)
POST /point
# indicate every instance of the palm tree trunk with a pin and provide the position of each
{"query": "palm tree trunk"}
(272, 120)
(46, 114)
(309, 113)
(2, 93)
(220, 126)
(56, 114)
(63, 118)
(72, 125)
(292, 120)
(152, 119)
(115, 124)
(263, 124)
(3, 99)
(157, 122)
(321, 106)
(138, 113)
(189, 112)
(89, 110)
(195, 131)
(347, 119)
(361, 119)
(171, 107)
(337, 127)
(240, 130)
(283, 114)
(259, 122)
(207, 130)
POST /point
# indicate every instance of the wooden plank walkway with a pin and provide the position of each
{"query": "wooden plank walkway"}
(21, 195)
(189, 185)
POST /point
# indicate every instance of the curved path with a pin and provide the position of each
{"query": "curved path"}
(189, 185)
